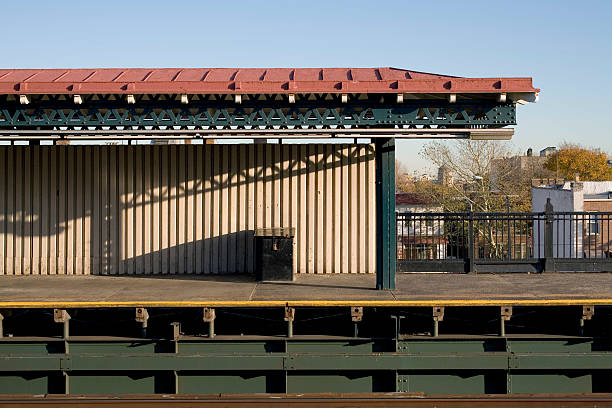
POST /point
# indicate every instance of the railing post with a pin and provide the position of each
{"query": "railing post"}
(549, 260)
(509, 228)
(386, 223)
(471, 242)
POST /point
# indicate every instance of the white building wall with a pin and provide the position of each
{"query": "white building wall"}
(592, 187)
(567, 232)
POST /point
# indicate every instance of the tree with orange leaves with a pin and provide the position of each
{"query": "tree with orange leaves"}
(573, 160)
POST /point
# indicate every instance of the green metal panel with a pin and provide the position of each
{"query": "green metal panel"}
(163, 362)
(31, 347)
(317, 382)
(115, 383)
(217, 383)
(547, 382)
(460, 383)
(527, 345)
(448, 346)
(30, 363)
(231, 347)
(561, 361)
(24, 383)
(113, 347)
(551, 346)
(330, 347)
(305, 361)
(311, 361)
(392, 361)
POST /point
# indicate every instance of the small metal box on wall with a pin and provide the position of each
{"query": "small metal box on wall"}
(274, 254)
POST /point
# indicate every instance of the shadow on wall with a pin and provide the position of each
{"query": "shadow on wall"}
(194, 257)
(183, 208)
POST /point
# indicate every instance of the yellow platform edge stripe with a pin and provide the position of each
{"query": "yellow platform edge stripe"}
(308, 303)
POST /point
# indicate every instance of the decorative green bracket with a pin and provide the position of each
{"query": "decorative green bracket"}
(256, 114)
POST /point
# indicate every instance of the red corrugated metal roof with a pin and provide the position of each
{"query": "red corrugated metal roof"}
(248, 80)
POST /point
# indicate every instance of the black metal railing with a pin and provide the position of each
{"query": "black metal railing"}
(504, 242)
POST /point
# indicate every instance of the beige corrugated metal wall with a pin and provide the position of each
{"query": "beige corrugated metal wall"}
(167, 209)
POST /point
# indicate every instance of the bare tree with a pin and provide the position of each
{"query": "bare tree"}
(403, 182)
(485, 176)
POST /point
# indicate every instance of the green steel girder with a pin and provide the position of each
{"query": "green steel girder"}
(256, 114)
(453, 365)
(91, 360)
(311, 362)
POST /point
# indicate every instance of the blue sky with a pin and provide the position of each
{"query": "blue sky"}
(564, 45)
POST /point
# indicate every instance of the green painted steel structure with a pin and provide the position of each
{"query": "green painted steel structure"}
(444, 365)
(385, 214)
(382, 359)
(259, 114)
(269, 111)
(256, 351)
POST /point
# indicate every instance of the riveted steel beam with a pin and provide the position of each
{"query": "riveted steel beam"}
(306, 362)
(470, 364)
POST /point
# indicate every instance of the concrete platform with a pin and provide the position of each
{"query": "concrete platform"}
(307, 290)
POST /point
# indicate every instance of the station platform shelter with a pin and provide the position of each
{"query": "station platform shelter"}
(129, 202)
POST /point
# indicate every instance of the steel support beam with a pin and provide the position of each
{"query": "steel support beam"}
(319, 133)
(502, 361)
(301, 399)
(385, 214)
(304, 363)
(256, 114)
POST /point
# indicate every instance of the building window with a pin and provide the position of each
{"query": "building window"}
(593, 224)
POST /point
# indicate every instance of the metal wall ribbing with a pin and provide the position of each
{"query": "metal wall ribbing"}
(167, 209)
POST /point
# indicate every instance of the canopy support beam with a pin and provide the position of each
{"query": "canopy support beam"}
(147, 134)
(385, 213)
